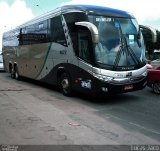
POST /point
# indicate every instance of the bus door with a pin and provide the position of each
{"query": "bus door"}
(85, 59)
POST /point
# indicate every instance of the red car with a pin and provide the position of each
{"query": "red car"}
(153, 80)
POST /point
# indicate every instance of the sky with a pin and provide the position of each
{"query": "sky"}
(16, 12)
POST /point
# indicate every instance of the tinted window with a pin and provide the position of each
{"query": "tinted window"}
(11, 38)
(84, 45)
(50, 30)
(71, 18)
(33, 34)
(56, 33)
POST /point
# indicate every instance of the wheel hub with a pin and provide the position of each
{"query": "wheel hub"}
(65, 84)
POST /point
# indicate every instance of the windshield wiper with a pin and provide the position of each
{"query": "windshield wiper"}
(125, 48)
(120, 50)
(134, 57)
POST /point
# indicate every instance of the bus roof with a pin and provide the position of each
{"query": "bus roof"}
(98, 10)
(88, 9)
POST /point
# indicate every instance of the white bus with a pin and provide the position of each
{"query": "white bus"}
(86, 48)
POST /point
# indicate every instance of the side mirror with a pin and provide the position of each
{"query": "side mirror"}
(139, 34)
(139, 37)
(153, 32)
(92, 28)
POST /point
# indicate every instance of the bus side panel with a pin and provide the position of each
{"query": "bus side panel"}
(82, 81)
(31, 59)
(8, 57)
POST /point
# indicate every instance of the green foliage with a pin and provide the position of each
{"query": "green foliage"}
(148, 40)
(150, 46)
(157, 44)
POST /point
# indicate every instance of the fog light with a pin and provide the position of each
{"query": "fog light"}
(104, 89)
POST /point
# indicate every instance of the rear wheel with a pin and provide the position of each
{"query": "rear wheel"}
(12, 73)
(65, 84)
(156, 87)
(17, 76)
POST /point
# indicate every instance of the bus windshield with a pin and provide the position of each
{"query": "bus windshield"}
(120, 41)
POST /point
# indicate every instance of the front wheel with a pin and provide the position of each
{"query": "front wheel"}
(65, 84)
(156, 87)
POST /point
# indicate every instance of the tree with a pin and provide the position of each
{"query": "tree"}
(157, 44)
(148, 42)
(150, 45)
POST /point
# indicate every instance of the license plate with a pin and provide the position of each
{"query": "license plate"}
(128, 87)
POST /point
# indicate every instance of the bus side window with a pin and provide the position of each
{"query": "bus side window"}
(71, 18)
(56, 31)
(84, 45)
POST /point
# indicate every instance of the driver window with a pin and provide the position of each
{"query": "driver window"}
(84, 46)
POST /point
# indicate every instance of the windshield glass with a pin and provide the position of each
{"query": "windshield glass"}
(120, 41)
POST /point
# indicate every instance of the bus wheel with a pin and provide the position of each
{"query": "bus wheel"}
(65, 84)
(17, 77)
(12, 73)
(156, 87)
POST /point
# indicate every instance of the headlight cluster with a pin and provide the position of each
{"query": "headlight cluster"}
(102, 77)
(109, 79)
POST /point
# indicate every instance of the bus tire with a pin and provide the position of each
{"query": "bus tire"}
(17, 76)
(65, 84)
(12, 73)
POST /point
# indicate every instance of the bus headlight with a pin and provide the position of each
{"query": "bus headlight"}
(102, 77)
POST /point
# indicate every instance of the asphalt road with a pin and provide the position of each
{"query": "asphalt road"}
(32, 113)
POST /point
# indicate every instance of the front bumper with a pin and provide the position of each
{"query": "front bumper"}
(120, 88)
